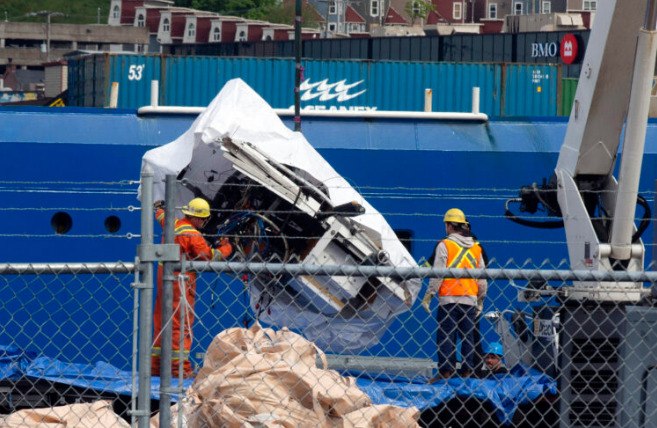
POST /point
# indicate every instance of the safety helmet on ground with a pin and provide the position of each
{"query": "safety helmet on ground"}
(495, 348)
(454, 215)
(197, 207)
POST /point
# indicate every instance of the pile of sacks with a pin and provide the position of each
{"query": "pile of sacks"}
(253, 377)
(262, 377)
(80, 415)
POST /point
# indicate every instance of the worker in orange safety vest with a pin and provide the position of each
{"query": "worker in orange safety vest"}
(194, 247)
(458, 297)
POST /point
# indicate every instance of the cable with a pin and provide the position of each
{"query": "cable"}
(645, 220)
(556, 224)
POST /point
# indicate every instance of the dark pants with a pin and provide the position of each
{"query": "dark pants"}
(455, 319)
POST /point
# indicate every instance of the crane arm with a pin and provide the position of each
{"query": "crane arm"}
(610, 108)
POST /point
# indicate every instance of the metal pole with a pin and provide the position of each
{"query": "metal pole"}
(48, 38)
(155, 93)
(167, 305)
(475, 100)
(297, 66)
(146, 302)
(114, 95)
(428, 100)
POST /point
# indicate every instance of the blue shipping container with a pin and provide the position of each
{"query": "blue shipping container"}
(505, 89)
(531, 90)
(134, 74)
(336, 85)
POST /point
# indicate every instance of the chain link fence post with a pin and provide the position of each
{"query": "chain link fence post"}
(167, 304)
(145, 301)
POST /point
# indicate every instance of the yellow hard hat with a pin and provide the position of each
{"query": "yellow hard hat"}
(197, 207)
(454, 215)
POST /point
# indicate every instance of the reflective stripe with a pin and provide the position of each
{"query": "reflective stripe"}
(464, 259)
(465, 252)
(186, 228)
(157, 352)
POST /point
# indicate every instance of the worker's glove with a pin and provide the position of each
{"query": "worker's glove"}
(224, 247)
(480, 305)
(158, 205)
(426, 301)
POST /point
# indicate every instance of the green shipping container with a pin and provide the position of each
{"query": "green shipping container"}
(568, 88)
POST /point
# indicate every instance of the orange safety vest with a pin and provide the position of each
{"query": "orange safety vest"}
(460, 258)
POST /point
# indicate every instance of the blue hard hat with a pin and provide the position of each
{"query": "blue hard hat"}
(495, 348)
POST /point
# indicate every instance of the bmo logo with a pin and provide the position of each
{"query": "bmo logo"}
(568, 49)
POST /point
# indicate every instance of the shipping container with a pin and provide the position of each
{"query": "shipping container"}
(134, 74)
(545, 47)
(530, 90)
(90, 79)
(505, 89)
(568, 88)
(532, 47)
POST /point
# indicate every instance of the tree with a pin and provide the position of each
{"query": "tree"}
(418, 9)
(252, 9)
(285, 14)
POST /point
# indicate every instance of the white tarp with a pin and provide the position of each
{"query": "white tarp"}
(240, 113)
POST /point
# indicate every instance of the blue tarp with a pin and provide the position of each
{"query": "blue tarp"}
(16, 364)
(522, 385)
(505, 392)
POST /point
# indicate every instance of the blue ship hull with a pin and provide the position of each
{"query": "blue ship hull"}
(86, 163)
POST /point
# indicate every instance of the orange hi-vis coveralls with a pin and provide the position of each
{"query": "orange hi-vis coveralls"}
(193, 245)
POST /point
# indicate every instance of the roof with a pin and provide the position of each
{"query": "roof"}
(393, 17)
(351, 15)
(29, 76)
(434, 18)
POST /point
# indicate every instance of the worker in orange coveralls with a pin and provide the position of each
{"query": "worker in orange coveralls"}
(194, 247)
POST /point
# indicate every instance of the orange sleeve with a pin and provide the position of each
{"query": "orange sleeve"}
(196, 247)
(159, 216)
(225, 249)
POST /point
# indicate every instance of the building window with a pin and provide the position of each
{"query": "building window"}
(242, 36)
(333, 7)
(332, 27)
(216, 34)
(546, 7)
(140, 20)
(415, 10)
(116, 12)
(166, 26)
(590, 4)
(456, 11)
(517, 8)
(191, 30)
(492, 11)
(374, 7)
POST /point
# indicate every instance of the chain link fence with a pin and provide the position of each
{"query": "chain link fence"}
(65, 329)
(77, 342)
